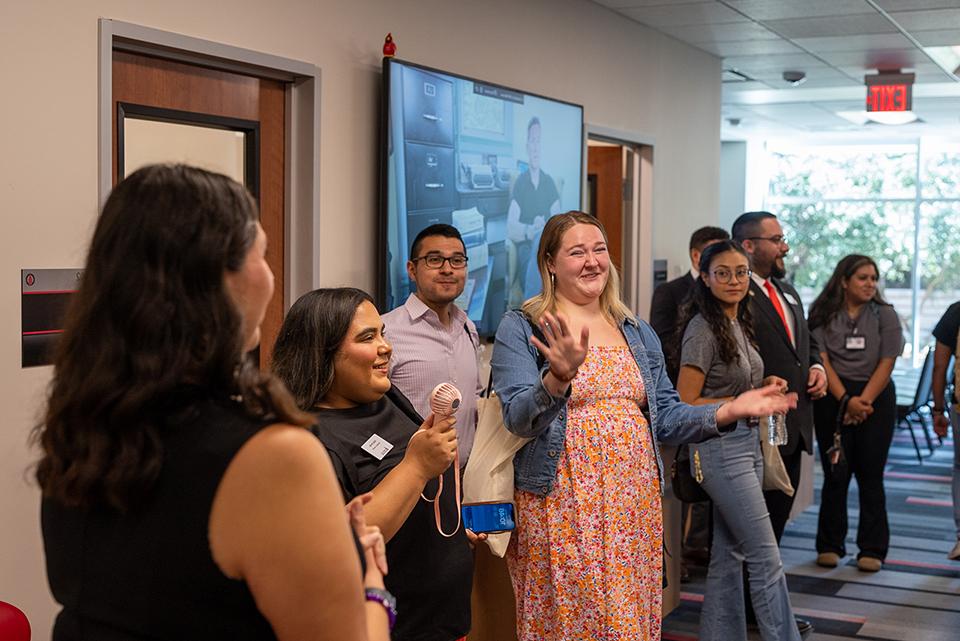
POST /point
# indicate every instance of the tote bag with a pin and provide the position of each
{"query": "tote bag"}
(489, 472)
(775, 475)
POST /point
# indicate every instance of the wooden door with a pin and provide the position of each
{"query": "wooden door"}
(161, 84)
(605, 169)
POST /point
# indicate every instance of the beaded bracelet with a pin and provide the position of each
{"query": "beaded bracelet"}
(387, 600)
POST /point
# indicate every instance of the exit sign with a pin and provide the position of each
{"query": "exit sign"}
(890, 92)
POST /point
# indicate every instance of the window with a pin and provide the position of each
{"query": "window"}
(898, 204)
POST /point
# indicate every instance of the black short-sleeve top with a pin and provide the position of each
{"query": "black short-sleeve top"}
(430, 575)
(148, 573)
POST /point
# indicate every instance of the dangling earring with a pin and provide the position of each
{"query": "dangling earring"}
(553, 280)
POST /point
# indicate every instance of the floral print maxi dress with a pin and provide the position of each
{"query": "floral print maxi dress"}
(586, 560)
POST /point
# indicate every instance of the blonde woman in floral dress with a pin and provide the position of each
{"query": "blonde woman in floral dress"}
(586, 559)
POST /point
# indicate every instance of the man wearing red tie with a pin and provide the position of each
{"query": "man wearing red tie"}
(786, 346)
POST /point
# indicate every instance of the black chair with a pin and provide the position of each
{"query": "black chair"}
(918, 411)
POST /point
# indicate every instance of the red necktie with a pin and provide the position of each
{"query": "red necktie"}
(777, 306)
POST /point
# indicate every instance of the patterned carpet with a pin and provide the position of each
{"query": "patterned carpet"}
(916, 597)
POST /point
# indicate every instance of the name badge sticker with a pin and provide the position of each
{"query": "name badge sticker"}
(790, 299)
(856, 343)
(377, 447)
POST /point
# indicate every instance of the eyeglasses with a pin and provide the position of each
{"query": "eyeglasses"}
(436, 261)
(725, 275)
(776, 240)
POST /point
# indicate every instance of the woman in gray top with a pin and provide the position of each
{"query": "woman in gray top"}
(719, 360)
(860, 337)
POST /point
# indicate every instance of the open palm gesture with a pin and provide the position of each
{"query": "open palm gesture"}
(562, 350)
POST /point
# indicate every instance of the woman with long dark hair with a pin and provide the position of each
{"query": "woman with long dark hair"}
(718, 361)
(860, 338)
(591, 392)
(182, 496)
(332, 353)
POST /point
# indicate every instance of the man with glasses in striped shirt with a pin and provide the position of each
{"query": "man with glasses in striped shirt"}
(433, 340)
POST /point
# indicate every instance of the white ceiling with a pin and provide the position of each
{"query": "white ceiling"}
(834, 42)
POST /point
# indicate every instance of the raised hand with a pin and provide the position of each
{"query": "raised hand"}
(563, 351)
(432, 448)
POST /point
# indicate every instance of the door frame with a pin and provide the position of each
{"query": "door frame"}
(637, 276)
(302, 130)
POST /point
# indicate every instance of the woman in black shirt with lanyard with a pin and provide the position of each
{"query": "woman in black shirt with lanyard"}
(860, 336)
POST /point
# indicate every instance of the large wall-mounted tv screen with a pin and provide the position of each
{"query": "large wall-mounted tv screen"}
(494, 162)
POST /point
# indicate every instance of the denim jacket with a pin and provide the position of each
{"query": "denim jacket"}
(529, 410)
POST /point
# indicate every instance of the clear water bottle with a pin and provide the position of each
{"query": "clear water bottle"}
(777, 429)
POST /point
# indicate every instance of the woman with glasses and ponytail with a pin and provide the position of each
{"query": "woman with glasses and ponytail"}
(718, 360)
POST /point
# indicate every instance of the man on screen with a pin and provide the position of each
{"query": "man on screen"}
(534, 199)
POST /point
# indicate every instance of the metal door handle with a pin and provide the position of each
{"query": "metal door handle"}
(433, 185)
(432, 118)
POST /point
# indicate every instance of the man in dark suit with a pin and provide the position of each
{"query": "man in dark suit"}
(786, 346)
(669, 297)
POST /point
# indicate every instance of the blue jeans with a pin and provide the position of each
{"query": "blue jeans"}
(732, 467)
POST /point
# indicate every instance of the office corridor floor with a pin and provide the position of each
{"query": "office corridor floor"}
(915, 597)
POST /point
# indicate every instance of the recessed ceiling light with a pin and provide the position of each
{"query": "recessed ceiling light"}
(880, 117)
(892, 117)
(948, 58)
(856, 117)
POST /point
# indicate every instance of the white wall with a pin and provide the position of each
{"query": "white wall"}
(733, 181)
(627, 77)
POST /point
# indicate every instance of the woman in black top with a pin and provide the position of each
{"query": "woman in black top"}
(860, 338)
(332, 353)
(182, 496)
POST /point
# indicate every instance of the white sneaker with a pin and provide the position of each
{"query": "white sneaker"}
(954, 554)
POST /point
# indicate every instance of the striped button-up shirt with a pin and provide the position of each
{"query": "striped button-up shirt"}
(426, 353)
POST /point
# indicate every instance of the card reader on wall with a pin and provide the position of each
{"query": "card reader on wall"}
(481, 177)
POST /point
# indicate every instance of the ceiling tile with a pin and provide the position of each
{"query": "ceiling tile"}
(670, 15)
(729, 32)
(800, 61)
(747, 48)
(820, 75)
(910, 5)
(875, 58)
(863, 23)
(855, 42)
(926, 20)
(798, 114)
(780, 9)
(834, 81)
(924, 72)
(730, 91)
(937, 38)
(629, 4)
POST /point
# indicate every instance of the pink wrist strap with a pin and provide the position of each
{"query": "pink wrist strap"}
(436, 502)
